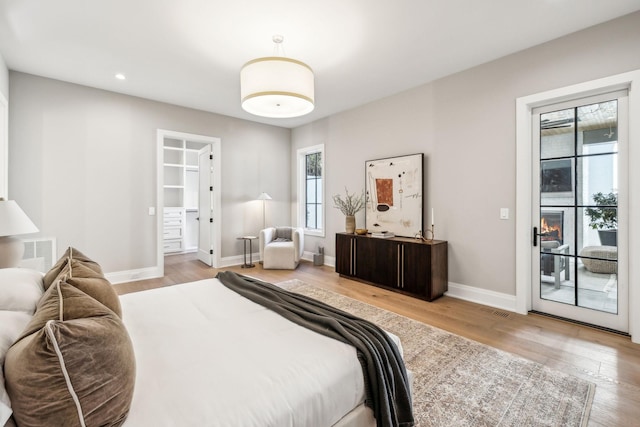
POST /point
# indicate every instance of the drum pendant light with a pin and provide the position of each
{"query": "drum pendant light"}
(277, 86)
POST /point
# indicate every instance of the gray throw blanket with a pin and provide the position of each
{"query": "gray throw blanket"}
(385, 376)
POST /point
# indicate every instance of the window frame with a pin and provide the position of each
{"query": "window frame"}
(302, 190)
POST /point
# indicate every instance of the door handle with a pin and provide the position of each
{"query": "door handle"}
(535, 236)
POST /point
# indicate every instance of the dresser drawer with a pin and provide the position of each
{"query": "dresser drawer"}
(172, 246)
(173, 233)
(173, 222)
(173, 213)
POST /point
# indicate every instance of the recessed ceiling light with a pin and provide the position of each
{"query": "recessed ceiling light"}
(120, 76)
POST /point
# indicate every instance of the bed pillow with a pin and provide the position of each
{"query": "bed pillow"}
(70, 253)
(80, 271)
(13, 323)
(85, 278)
(20, 289)
(75, 368)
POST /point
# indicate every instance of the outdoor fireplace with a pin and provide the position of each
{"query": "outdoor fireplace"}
(552, 238)
(551, 226)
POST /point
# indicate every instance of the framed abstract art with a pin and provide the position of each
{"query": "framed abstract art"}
(393, 190)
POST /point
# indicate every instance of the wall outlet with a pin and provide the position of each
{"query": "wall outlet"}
(152, 210)
(504, 213)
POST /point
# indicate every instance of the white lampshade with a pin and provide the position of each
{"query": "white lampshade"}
(277, 87)
(264, 196)
(13, 220)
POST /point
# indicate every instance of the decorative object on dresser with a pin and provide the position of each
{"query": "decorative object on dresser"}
(349, 206)
(13, 221)
(414, 267)
(382, 234)
(394, 195)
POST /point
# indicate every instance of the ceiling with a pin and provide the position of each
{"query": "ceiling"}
(189, 52)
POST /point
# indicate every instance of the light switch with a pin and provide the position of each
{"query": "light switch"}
(504, 213)
(152, 210)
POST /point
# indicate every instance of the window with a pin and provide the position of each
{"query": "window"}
(311, 189)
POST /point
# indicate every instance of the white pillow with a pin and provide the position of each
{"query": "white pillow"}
(20, 289)
(13, 323)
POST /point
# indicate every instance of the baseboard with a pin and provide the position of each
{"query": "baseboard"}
(482, 296)
(133, 275)
(154, 272)
(238, 260)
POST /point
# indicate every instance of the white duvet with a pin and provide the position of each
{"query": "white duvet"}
(208, 357)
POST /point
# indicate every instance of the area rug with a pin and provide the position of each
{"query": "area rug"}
(459, 382)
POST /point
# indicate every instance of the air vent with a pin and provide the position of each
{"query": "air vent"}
(499, 313)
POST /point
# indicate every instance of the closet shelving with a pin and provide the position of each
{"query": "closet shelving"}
(180, 195)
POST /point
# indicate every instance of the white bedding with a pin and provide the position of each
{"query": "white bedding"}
(208, 357)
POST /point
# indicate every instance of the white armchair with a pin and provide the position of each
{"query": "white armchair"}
(281, 247)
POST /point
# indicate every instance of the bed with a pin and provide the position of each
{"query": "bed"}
(204, 356)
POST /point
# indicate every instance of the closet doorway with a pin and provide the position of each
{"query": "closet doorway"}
(186, 222)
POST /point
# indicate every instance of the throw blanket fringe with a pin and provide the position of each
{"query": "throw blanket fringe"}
(385, 376)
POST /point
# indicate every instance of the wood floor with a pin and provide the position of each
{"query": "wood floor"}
(609, 360)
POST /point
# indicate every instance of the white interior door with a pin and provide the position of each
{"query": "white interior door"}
(580, 180)
(205, 206)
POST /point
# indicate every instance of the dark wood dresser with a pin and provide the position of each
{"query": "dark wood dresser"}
(409, 266)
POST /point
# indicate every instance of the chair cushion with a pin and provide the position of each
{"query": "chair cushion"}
(600, 265)
(283, 233)
(549, 244)
(280, 255)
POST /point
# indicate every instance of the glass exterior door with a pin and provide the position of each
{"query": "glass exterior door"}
(581, 177)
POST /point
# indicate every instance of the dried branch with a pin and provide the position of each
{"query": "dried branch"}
(351, 204)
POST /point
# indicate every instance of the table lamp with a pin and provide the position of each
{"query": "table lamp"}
(13, 221)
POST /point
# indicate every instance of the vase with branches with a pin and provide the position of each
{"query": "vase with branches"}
(349, 205)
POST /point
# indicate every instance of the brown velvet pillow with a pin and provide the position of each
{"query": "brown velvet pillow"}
(70, 253)
(78, 364)
(85, 278)
(78, 270)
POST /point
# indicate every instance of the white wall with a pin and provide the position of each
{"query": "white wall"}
(83, 166)
(4, 78)
(465, 126)
(4, 134)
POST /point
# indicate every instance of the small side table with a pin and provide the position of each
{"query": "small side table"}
(248, 239)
